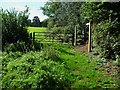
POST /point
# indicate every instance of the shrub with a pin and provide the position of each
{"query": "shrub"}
(32, 71)
(14, 26)
(23, 47)
(106, 39)
(6, 58)
(50, 53)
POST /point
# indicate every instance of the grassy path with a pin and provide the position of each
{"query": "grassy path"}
(85, 70)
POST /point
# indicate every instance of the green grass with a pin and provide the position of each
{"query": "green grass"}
(36, 29)
(85, 73)
(83, 68)
(80, 66)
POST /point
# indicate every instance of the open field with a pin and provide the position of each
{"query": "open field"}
(36, 29)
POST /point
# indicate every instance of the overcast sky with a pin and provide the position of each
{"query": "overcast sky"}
(34, 6)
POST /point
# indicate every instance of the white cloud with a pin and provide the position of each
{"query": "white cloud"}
(35, 12)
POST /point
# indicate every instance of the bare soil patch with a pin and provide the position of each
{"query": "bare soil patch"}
(83, 48)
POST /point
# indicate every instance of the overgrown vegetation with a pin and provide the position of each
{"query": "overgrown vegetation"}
(106, 31)
(54, 67)
(15, 36)
(107, 39)
(27, 64)
(14, 26)
(33, 70)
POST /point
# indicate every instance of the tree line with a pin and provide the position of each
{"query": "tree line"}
(35, 22)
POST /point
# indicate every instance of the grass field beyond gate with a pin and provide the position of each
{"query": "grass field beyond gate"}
(36, 29)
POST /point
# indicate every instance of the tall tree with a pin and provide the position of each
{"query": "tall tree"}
(44, 23)
(36, 21)
(66, 14)
(29, 22)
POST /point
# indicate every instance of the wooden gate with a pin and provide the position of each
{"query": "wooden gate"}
(50, 37)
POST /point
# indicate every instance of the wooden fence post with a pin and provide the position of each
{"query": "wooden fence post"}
(75, 34)
(73, 39)
(33, 37)
(89, 40)
(30, 35)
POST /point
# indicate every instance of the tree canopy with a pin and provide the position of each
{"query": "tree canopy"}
(36, 21)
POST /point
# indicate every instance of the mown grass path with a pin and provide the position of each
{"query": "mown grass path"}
(85, 70)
